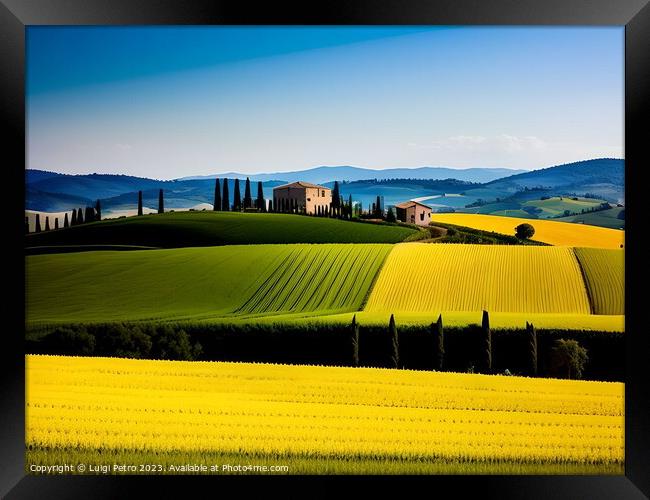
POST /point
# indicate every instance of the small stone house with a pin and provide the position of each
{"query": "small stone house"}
(413, 212)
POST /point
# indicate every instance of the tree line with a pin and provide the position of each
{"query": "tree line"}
(77, 217)
(568, 357)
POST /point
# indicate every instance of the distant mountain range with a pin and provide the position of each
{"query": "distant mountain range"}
(54, 192)
(319, 175)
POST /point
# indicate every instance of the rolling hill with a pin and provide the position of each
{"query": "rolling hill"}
(604, 177)
(546, 231)
(191, 283)
(191, 229)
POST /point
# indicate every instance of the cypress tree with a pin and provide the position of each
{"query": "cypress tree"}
(65, 221)
(327, 211)
(56, 223)
(98, 211)
(161, 202)
(139, 202)
(26, 225)
(350, 206)
(394, 338)
(37, 228)
(217, 195)
(271, 203)
(532, 348)
(248, 199)
(80, 216)
(90, 214)
(261, 204)
(335, 195)
(225, 202)
(379, 210)
(74, 217)
(486, 334)
(354, 341)
(439, 344)
(47, 223)
(236, 204)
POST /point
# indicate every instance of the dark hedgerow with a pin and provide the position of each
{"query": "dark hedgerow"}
(329, 344)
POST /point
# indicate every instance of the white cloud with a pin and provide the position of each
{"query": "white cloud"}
(504, 143)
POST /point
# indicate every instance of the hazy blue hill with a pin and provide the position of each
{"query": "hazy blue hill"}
(603, 176)
(33, 175)
(95, 186)
(398, 190)
(53, 202)
(325, 174)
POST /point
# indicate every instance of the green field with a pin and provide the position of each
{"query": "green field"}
(195, 283)
(613, 218)
(192, 229)
(557, 205)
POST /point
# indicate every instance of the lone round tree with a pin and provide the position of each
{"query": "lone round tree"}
(568, 358)
(524, 231)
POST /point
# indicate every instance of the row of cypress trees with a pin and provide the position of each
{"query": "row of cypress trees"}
(222, 198)
(438, 336)
(78, 216)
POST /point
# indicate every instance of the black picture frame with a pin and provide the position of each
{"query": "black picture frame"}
(15, 15)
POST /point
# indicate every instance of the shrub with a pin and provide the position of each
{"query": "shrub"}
(524, 231)
(174, 344)
(568, 358)
(69, 341)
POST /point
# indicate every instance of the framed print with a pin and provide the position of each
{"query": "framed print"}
(355, 240)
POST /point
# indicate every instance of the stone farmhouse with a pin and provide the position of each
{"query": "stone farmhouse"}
(303, 195)
(413, 212)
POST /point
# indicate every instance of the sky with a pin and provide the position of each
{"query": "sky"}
(170, 102)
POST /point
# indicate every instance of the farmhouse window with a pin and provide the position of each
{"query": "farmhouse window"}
(422, 216)
(323, 193)
(308, 199)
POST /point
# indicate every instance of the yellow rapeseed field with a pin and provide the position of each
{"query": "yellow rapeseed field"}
(547, 231)
(313, 411)
(604, 272)
(498, 278)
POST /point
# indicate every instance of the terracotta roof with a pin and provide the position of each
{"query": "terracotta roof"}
(409, 204)
(301, 184)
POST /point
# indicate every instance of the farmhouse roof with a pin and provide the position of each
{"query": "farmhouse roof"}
(411, 203)
(301, 184)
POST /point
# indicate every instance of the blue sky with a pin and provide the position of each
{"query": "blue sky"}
(168, 102)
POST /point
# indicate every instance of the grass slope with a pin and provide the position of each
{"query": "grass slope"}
(190, 229)
(360, 415)
(193, 283)
(546, 231)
